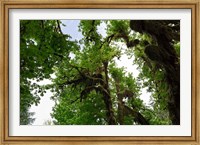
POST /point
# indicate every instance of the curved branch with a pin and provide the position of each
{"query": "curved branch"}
(136, 115)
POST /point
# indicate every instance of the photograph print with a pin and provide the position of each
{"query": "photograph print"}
(99, 72)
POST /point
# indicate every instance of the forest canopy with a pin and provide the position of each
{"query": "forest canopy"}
(88, 86)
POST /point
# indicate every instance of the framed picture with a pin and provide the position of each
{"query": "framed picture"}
(105, 72)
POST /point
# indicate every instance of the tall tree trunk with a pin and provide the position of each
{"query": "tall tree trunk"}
(120, 103)
(165, 38)
(124, 110)
(107, 98)
(139, 118)
(173, 79)
(174, 98)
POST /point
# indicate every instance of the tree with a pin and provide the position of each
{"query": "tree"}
(41, 46)
(164, 34)
(89, 88)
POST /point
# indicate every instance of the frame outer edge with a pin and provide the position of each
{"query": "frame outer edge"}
(3, 75)
(198, 74)
(6, 72)
(110, 2)
(194, 71)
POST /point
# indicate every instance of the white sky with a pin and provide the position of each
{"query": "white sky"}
(43, 110)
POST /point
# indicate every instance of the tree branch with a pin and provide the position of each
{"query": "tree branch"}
(59, 28)
(136, 115)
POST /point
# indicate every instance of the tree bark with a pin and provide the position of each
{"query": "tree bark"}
(120, 103)
(107, 98)
(164, 38)
(139, 118)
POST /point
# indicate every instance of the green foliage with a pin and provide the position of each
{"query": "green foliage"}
(89, 88)
(117, 26)
(42, 47)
